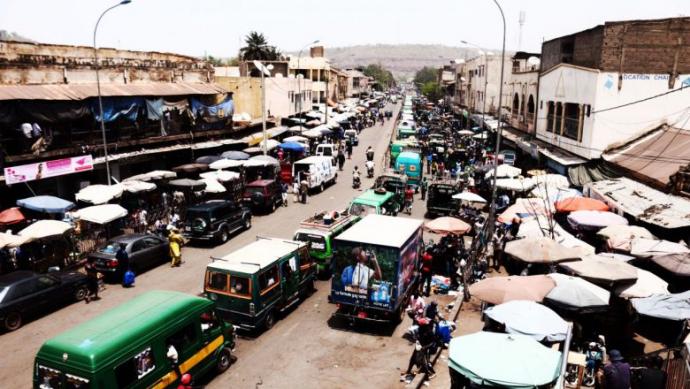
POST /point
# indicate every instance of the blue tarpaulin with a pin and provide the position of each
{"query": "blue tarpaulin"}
(47, 204)
(118, 107)
(221, 110)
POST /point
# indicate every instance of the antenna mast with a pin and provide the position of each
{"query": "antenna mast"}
(521, 22)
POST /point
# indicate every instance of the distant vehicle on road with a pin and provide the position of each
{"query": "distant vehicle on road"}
(440, 199)
(374, 202)
(321, 172)
(24, 294)
(327, 150)
(318, 232)
(145, 252)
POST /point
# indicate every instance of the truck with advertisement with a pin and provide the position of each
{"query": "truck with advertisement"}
(319, 231)
(375, 265)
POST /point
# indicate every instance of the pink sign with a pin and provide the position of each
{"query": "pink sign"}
(40, 170)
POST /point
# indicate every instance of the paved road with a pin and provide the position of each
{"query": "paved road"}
(302, 350)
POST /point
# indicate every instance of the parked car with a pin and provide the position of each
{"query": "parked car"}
(374, 201)
(145, 251)
(318, 232)
(216, 220)
(263, 195)
(440, 199)
(24, 294)
(320, 170)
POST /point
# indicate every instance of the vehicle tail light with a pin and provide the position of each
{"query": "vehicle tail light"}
(252, 309)
(112, 263)
(362, 315)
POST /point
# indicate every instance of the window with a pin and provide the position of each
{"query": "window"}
(288, 268)
(208, 321)
(45, 282)
(136, 368)
(550, 114)
(183, 339)
(516, 104)
(75, 382)
(571, 124)
(217, 281)
(239, 286)
(49, 378)
(557, 118)
(268, 278)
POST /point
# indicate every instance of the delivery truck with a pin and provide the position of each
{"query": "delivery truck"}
(375, 267)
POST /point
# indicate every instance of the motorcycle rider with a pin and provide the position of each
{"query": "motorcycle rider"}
(370, 153)
(355, 177)
(370, 168)
(409, 197)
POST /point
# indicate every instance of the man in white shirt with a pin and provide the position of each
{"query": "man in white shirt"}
(361, 274)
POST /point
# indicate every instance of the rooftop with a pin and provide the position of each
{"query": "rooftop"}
(255, 256)
(382, 230)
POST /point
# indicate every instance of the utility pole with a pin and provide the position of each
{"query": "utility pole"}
(263, 112)
(327, 78)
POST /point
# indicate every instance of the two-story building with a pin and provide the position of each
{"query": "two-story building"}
(523, 88)
(316, 68)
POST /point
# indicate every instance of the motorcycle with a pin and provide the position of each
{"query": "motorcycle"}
(370, 169)
(356, 182)
(594, 357)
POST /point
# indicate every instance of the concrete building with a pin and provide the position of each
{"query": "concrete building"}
(523, 88)
(316, 68)
(483, 82)
(610, 84)
(357, 83)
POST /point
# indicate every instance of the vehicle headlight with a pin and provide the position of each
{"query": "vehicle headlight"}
(212, 296)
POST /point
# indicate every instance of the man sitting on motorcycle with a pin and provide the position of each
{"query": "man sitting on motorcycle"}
(409, 198)
(370, 153)
(370, 168)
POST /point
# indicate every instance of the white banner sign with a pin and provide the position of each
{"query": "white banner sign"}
(40, 170)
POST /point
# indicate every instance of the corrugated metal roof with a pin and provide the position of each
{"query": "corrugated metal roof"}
(83, 91)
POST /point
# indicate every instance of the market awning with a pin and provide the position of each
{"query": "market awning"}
(84, 91)
(45, 228)
(46, 204)
(101, 214)
(99, 194)
(11, 216)
(530, 319)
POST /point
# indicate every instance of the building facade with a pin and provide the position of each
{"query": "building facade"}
(522, 89)
(316, 68)
(483, 82)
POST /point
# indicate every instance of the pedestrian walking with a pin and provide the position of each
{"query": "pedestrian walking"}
(143, 220)
(429, 161)
(304, 189)
(91, 279)
(175, 242)
(423, 186)
(284, 193)
(341, 159)
(427, 263)
(295, 189)
(349, 149)
(122, 262)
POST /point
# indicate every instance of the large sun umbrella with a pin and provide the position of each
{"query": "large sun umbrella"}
(678, 264)
(515, 184)
(101, 214)
(594, 220)
(226, 164)
(627, 231)
(296, 138)
(552, 181)
(482, 135)
(46, 204)
(235, 155)
(540, 226)
(530, 319)
(221, 175)
(503, 171)
(10, 240)
(191, 168)
(465, 132)
(523, 208)
(313, 133)
(552, 194)
(11, 216)
(670, 307)
(152, 176)
(498, 290)
(504, 360)
(573, 204)
(270, 145)
(99, 194)
(646, 248)
(137, 186)
(602, 270)
(469, 197)
(539, 250)
(576, 294)
(448, 225)
(45, 228)
(189, 184)
(326, 131)
(292, 146)
(647, 284)
(213, 186)
(266, 159)
(208, 159)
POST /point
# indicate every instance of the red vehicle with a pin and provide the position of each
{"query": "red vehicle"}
(263, 195)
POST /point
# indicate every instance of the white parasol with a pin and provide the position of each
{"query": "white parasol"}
(101, 214)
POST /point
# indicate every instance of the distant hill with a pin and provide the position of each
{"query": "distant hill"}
(402, 60)
(13, 36)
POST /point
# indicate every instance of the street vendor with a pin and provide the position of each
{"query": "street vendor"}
(175, 242)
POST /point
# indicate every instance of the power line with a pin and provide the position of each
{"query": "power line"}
(682, 87)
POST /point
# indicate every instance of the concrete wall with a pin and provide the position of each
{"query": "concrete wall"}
(281, 95)
(525, 85)
(493, 73)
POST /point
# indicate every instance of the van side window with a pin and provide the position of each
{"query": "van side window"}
(268, 278)
(136, 368)
(209, 321)
(217, 281)
(182, 339)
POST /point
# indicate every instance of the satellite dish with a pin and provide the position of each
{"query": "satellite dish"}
(265, 70)
(533, 60)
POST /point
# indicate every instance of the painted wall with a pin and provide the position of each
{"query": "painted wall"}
(281, 95)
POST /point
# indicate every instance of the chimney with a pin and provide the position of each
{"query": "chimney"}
(316, 52)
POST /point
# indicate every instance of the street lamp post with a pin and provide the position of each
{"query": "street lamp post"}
(98, 88)
(299, 85)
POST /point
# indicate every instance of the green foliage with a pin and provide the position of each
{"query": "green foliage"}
(381, 75)
(432, 90)
(257, 48)
(425, 74)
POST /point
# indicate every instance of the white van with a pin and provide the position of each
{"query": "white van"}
(328, 150)
(321, 171)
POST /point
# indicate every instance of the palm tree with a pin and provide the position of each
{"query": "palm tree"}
(257, 48)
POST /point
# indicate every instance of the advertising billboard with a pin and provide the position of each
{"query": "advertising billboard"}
(47, 169)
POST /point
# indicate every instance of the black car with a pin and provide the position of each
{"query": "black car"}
(440, 199)
(144, 250)
(216, 220)
(24, 294)
(263, 195)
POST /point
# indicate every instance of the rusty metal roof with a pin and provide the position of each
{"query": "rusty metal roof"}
(83, 91)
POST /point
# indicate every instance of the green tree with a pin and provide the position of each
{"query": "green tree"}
(257, 48)
(380, 74)
(432, 90)
(425, 74)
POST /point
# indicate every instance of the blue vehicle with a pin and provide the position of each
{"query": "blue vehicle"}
(410, 164)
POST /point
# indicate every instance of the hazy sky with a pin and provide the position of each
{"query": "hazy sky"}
(215, 27)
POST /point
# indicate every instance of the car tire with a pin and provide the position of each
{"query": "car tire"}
(224, 360)
(13, 321)
(269, 320)
(81, 292)
(273, 206)
(322, 187)
(247, 222)
(224, 235)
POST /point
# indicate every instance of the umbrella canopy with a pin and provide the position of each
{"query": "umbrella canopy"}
(647, 284)
(576, 294)
(465, 132)
(208, 159)
(594, 220)
(226, 164)
(627, 231)
(137, 186)
(580, 204)
(213, 186)
(313, 133)
(553, 194)
(540, 226)
(101, 214)
(678, 264)
(669, 307)
(602, 270)
(326, 131)
(152, 176)
(539, 250)
(498, 290)
(46, 204)
(296, 138)
(552, 181)
(221, 175)
(191, 168)
(235, 155)
(99, 194)
(523, 208)
(265, 159)
(518, 185)
(11, 216)
(45, 228)
(469, 197)
(504, 360)
(186, 183)
(292, 146)
(10, 240)
(530, 319)
(447, 225)
(646, 248)
(504, 170)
